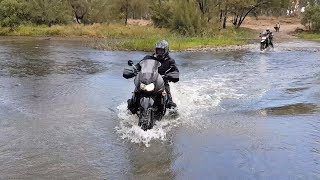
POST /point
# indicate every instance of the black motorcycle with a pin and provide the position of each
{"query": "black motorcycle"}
(149, 93)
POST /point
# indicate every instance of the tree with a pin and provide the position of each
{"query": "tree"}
(12, 13)
(139, 9)
(95, 11)
(49, 12)
(80, 9)
(208, 8)
(241, 8)
(124, 8)
(187, 18)
(311, 18)
(161, 13)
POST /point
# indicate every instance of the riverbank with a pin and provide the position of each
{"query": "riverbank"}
(308, 35)
(141, 35)
(132, 37)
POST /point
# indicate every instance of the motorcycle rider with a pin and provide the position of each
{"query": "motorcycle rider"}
(269, 36)
(277, 27)
(168, 65)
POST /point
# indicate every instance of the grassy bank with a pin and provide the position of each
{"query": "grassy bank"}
(134, 37)
(309, 35)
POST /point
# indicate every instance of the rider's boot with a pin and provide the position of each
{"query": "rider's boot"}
(170, 103)
(271, 43)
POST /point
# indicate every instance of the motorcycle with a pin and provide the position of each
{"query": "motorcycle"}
(150, 93)
(264, 43)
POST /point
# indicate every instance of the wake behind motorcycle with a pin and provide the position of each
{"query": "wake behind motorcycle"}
(150, 98)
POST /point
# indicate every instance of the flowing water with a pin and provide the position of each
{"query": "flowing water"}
(242, 114)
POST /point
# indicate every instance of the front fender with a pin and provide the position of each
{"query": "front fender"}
(146, 103)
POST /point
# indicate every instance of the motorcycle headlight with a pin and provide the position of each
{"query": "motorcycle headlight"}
(149, 87)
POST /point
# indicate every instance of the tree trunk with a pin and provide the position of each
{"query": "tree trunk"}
(127, 12)
(224, 24)
(243, 16)
(235, 20)
(78, 20)
(297, 8)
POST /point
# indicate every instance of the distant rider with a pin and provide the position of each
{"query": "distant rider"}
(277, 27)
(167, 65)
(269, 36)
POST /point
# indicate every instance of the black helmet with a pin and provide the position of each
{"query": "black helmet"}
(162, 49)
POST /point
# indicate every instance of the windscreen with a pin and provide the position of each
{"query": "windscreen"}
(149, 71)
(149, 66)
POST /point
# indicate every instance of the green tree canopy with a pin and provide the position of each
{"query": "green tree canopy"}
(311, 18)
(187, 17)
(12, 13)
(49, 12)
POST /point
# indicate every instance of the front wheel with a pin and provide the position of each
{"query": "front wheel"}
(146, 120)
(261, 46)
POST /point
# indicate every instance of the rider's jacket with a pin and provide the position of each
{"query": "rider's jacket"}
(166, 64)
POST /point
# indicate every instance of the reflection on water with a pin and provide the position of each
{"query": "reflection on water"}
(242, 115)
(152, 163)
(42, 58)
(37, 67)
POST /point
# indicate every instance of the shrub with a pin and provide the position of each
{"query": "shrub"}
(11, 13)
(311, 18)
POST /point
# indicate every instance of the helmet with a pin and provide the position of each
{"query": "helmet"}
(162, 49)
(268, 29)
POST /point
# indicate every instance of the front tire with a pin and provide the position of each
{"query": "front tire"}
(146, 120)
(261, 46)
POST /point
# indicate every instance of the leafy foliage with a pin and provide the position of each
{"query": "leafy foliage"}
(12, 13)
(188, 17)
(311, 18)
(161, 13)
(49, 12)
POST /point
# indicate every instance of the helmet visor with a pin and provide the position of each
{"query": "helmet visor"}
(160, 51)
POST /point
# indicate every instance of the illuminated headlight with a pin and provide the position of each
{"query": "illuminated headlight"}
(149, 87)
(263, 39)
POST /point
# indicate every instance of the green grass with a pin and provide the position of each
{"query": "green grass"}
(135, 37)
(95, 30)
(309, 35)
(178, 42)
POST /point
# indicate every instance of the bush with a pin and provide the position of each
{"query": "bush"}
(187, 19)
(161, 14)
(311, 18)
(181, 16)
(12, 13)
(49, 12)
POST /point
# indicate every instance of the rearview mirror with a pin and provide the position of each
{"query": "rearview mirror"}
(130, 63)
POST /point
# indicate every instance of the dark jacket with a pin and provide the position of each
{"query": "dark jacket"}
(168, 65)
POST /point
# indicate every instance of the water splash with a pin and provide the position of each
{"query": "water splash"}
(194, 97)
(129, 129)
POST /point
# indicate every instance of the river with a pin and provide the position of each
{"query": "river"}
(243, 114)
